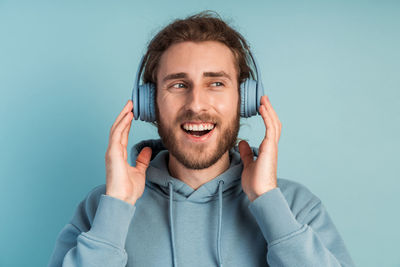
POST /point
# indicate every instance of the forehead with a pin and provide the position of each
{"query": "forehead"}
(196, 58)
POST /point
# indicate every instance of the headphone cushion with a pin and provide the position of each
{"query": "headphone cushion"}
(243, 95)
(135, 101)
(146, 102)
(152, 102)
(248, 90)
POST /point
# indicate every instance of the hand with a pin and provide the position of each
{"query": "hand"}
(260, 175)
(122, 180)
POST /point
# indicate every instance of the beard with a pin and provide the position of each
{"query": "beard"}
(199, 156)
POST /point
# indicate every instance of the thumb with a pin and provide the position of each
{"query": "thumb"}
(143, 159)
(245, 153)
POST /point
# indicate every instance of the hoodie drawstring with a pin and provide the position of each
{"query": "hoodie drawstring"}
(220, 182)
(171, 225)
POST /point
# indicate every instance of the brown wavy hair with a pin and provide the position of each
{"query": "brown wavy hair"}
(204, 26)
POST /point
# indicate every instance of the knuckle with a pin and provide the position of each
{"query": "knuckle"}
(107, 159)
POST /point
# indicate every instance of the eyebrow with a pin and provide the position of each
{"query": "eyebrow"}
(173, 76)
(217, 74)
(181, 75)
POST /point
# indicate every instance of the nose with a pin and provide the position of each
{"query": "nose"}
(197, 99)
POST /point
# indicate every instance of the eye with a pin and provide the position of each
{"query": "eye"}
(178, 85)
(218, 84)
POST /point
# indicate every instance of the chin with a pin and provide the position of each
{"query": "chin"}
(197, 156)
(197, 152)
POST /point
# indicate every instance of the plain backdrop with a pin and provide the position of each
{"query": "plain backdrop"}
(330, 68)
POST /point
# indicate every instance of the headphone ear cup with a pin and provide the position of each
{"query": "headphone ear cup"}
(146, 102)
(260, 93)
(152, 102)
(248, 96)
(135, 101)
(243, 95)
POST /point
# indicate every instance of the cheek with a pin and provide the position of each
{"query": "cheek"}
(167, 109)
(227, 105)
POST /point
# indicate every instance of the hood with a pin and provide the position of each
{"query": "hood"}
(158, 177)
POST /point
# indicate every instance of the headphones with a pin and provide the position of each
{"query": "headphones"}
(143, 99)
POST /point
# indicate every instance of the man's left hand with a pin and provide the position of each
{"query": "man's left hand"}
(260, 175)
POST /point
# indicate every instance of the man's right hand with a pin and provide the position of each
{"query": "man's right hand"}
(122, 180)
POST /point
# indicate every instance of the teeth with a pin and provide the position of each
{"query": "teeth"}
(198, 127)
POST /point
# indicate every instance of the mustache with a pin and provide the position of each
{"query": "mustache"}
(192, 116)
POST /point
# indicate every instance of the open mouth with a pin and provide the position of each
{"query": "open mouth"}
(198, 129)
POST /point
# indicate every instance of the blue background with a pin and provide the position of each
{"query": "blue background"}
(331, 69)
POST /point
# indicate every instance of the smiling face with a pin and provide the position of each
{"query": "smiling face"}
(198, 108)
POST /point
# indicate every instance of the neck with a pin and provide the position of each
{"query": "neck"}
(196, 178)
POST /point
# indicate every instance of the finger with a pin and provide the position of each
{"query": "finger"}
(143, 159)
(126, 109)
(125, 134)
(245, 153)
(116, 135)
(274, 116)
(268, 122)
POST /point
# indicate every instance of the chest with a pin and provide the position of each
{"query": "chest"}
(195, 232)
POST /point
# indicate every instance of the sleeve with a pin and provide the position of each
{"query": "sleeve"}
(314, 241)
(103, 244)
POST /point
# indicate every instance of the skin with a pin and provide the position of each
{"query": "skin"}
(204, 97)
(197, 97)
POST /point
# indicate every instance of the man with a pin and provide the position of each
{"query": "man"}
(194, 198)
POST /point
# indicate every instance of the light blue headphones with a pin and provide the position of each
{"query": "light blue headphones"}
(143, 99)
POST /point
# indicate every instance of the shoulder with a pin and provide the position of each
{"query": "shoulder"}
(86, 209)
(292, 189)
(299, 198)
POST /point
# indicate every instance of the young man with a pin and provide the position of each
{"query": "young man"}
(194, 198)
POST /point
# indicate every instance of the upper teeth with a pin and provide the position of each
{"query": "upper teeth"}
(198, 127)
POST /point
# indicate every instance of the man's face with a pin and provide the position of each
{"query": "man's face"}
(197, 90)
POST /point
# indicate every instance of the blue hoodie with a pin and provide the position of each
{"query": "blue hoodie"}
(216, 225)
